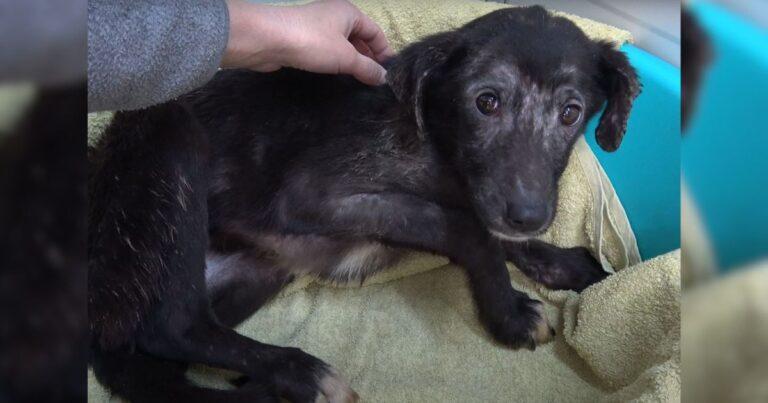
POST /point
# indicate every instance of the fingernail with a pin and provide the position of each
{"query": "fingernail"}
(382, 76)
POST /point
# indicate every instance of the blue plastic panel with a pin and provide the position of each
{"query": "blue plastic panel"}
(725, 152)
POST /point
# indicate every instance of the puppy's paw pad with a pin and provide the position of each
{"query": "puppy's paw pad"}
(521, 323)
(334, 389)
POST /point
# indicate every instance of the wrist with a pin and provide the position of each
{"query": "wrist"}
(253, 41)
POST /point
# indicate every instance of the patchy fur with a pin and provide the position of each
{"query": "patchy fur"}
(297, 173)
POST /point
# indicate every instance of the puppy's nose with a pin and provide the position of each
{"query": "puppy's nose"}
(526, 217)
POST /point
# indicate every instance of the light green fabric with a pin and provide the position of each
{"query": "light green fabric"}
(411, 334)
(725, 338)
(14, 101)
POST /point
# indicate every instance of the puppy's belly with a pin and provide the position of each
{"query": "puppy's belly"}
(340, 261)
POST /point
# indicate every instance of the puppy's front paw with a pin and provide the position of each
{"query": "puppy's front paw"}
(523, 325)
(334, 389)
(579, 270)
(560, 269)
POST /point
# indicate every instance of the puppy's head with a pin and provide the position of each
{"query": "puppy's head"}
(504, 98)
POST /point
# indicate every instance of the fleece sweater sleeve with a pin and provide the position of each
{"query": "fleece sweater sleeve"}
(146, 52)
(42, 41)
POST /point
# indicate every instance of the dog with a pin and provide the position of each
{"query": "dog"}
(205, 207)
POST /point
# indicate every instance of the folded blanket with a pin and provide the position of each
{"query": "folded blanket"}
(410, 334)
(725, 338)
(627, 330)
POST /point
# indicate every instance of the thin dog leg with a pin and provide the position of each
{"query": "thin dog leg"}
(142, 378)
(147, 260)
(294, 374)
(403, 220)
(557, 268)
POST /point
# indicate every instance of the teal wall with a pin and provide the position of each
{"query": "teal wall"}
(725, 150)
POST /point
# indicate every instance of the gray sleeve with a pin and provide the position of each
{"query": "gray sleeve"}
(42, 41)
(143, 52)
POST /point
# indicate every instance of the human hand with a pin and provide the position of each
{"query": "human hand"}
(326, 36)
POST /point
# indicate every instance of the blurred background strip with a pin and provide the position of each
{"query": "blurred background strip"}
(724, 151)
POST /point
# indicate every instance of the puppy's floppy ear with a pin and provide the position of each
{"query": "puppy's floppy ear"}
(408, 73)
(620, 83)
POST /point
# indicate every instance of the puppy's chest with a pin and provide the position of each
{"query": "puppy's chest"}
(341, 261)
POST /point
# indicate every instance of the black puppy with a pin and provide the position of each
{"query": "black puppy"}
(203, 208)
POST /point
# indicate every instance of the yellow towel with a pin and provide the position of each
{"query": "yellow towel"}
(627, 330)
(411, 334)
(725, 338)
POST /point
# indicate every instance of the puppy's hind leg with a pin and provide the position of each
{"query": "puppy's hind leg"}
(290, 372)
(150, 236)
(147, 241)
(146, 379)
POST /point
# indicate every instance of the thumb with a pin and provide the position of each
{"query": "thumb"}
(367, 70)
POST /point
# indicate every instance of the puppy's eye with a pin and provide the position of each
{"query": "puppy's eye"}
(487, 103)
(570, 114)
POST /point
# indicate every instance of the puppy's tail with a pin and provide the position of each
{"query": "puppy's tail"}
(140, 378)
